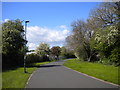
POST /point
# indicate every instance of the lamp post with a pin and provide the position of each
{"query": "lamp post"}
(25, 47)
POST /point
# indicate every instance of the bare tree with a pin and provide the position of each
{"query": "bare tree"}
(104, 14)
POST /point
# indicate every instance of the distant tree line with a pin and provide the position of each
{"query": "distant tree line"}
(44, 53)
(97, 38)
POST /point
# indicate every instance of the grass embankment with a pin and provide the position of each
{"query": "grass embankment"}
(106, 72)
(16, 78)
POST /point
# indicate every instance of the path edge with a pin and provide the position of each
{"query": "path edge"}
(29, 78)
(94, 77)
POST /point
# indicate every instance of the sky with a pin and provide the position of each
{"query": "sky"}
(50, 22)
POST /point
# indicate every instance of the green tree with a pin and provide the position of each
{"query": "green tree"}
(13, 42)
(107, 44)
(105, 40)
(43, 51)
(67, 53)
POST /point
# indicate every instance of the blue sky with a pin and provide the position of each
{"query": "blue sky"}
(49, 21)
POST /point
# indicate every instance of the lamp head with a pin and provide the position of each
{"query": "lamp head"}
(27, 21)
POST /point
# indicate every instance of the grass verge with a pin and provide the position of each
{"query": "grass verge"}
(105, 72)
(16, 78)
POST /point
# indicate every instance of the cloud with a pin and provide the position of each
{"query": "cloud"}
(63, 26)
(36, 35)
(32, 46)
(6, 20)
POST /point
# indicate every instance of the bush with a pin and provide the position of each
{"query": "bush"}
(32, 58)
(115, 56)
(105, 61)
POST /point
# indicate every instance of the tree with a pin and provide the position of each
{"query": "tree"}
(107, 44)
(98, 36)
(104, 14)
(43, 51)
(63, 51)
(79, 40)
(105, 39)
(0, 39)
(13, 42)
(67, 53)
(56, 50)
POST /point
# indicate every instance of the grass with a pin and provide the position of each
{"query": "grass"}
(16, 78)
(106, 72)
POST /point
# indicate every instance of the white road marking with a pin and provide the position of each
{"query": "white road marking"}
(29, 78)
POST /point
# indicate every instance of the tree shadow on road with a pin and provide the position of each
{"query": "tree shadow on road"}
(43, 66)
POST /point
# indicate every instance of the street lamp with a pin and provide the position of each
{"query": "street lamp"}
(25, 47)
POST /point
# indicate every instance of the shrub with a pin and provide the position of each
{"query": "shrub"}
(32, 58)
(115, 56)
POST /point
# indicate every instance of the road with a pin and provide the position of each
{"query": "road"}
(55, 75)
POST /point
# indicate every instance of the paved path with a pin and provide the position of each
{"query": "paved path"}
(54, 75)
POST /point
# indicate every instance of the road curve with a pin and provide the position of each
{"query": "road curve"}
(55, 75)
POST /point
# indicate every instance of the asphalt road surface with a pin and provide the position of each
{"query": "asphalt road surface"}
(55, 75)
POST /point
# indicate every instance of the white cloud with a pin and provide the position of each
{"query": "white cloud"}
(63, 26)
(36, 35)
(32, 46)
(6, 20)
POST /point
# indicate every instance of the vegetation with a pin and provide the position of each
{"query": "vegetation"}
(106, 72)
(43, 51)
(66, 53)
(97, 39)
(93, 40)
(16, 78)
(13, 43)
(14, 46)
(32, 58)
(55, 51)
